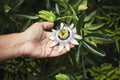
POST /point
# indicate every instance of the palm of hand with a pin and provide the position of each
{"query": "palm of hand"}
(38, 43)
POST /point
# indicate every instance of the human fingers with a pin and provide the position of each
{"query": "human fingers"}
(55, 51)
(44, 25)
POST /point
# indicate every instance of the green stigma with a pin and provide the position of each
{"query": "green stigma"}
(63, 34)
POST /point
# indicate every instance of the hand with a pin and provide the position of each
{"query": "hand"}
(37, 43)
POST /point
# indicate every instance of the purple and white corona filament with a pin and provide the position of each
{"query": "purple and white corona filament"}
(64, 36)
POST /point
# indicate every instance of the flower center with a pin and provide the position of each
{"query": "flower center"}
(63, 33)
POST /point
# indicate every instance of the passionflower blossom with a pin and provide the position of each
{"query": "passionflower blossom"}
(64, 36)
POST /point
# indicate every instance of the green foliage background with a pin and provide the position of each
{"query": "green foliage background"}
(97, 21)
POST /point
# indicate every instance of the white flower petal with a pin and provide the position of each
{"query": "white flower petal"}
(60, 48)
(67, 47)
(53, 30)
(65, 42)
(53, 44)
(73, 41)
(51, 37)
(77, 36)
(71, 26)
(61, 25)
(74, 30)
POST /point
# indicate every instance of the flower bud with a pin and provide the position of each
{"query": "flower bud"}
(47, 15)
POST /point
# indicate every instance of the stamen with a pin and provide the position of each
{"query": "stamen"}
(63, 34)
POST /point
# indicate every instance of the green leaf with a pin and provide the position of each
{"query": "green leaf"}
(102, 18)
(76, 3)
(89, 23)
(32, 17)
(7, 8)
(18, 4)
(93, 49)
(74, 13)
(99, 37)
(90, 16)
(53, 72)
(83, 5)
(80, 23)
(117, 44)
(71, 77)
(96, 69)
(106, 66)
(62, 77)
(77, 55)
(100, 77)
(92, 59)
(95, 26)
(92, 72)
(57, 9)
(71, 60)
(112, 71)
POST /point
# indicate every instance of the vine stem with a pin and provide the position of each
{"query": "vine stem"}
(64, 17)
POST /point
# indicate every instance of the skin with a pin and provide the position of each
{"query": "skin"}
(33, 42)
